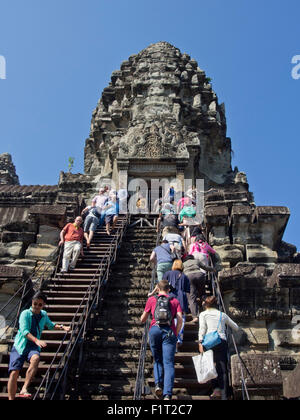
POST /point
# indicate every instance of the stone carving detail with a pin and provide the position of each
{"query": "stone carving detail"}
(8, 174)
(159, 105)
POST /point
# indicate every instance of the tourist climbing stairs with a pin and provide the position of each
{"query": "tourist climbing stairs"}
(71, 300)
(112, 349)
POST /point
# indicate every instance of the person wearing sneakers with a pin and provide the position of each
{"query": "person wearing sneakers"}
(211, 320)
(72, 238)
(163, 337)
(28, 345)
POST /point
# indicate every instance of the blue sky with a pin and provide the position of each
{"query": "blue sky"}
(60, 54)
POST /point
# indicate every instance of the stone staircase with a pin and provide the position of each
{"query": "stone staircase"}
(112, 347)
(65, 293)
(112, 350)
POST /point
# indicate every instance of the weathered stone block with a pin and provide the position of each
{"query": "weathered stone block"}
(6, 260)
(241, 220)
(272, 304)
(257, 334)
(217, 218)
(263, 374)
(286, 252)
(243, 278)
(26, 265)
(51, 215)
(285, 275)
(12, 249)
(271, 224)
(291, 384)
(26, 237)
(10, 288)
(260, 254)
(9, 272)
(41, 252)
(240, 304)
(48, 235)
(230, 253)
(284, 335)
(295, 301)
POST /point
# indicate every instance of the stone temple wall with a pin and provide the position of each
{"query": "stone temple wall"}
(159, 117)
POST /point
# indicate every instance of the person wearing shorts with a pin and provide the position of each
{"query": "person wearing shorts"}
(91, 223)
(111, 210)
(28, 345)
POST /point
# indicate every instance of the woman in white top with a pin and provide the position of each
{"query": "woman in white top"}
(209, 321)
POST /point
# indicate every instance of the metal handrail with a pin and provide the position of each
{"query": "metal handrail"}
(140, 376)
(78, 328)
(218, 294)
(21, 303)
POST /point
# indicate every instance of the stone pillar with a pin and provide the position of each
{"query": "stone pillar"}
(180, 171)
(123, 166)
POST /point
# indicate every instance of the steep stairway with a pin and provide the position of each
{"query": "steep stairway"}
(66, 302)
(111, 352)
(186, 386)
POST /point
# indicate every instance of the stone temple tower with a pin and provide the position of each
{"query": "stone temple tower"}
(159, 117)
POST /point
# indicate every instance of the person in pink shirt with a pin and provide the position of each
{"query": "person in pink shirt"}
(200, 246)
(184, 201)
(163, 339)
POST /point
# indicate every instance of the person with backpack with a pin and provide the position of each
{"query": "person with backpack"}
(200, 249)
(28, 344)
(176, 242)
(169, 223)
(163, 337)
(163, 257)
(212, 336)
(180, 288)
(91, 223)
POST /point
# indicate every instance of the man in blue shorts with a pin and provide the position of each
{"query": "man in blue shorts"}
(91, 223)
(28, 345)
(111, 210)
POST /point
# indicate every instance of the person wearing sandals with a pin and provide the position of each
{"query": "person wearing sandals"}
(212, 320)
(28, 345)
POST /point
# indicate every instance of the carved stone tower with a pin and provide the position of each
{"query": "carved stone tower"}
(159, 117)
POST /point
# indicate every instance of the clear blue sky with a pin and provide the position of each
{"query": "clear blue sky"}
(60, 55)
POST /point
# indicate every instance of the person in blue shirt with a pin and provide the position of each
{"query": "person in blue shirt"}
(180, 288)
(111, 210)
(28, 344)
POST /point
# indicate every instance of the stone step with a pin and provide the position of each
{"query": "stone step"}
(185, 386)
(104, 373)
(114, 344)
(106, 356)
